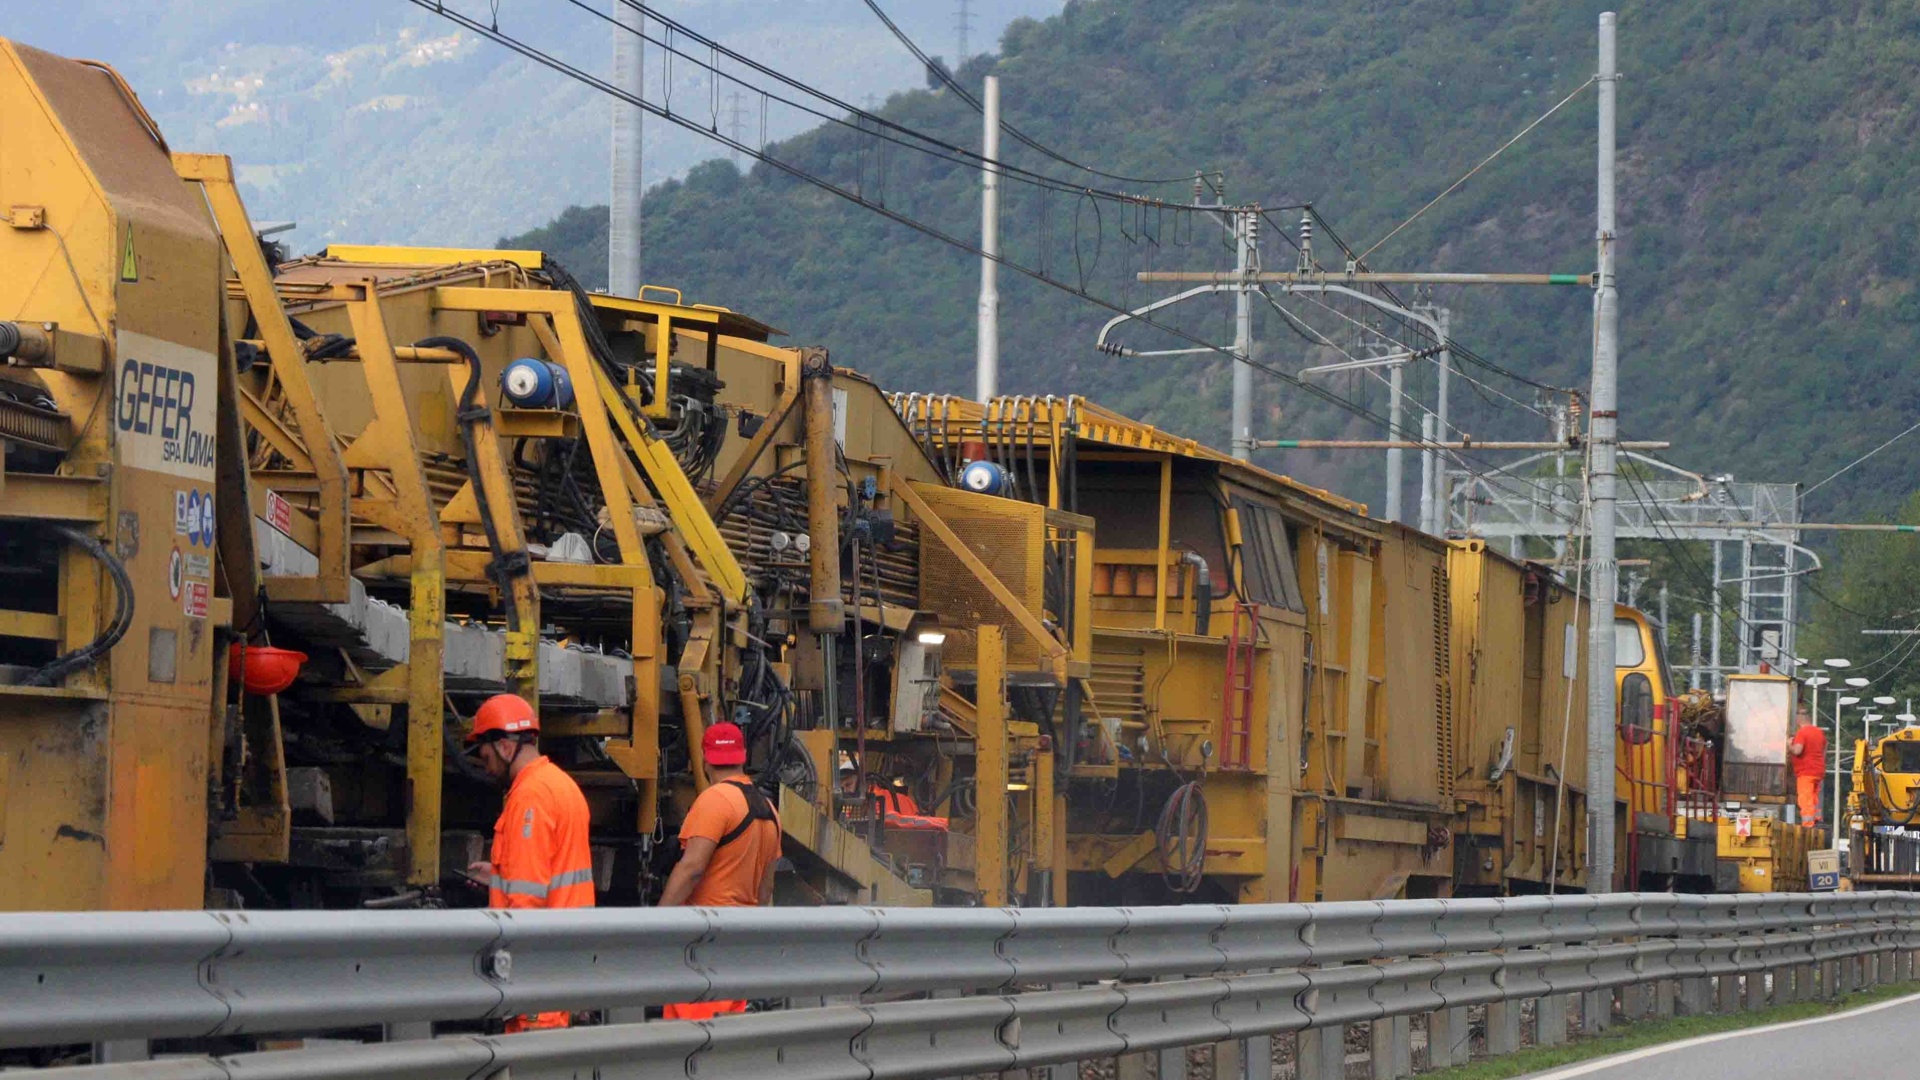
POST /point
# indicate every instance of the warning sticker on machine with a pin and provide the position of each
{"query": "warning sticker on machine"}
(198, 565)
(175, 574)
(279, 512)
(194, 597)
(163, 406)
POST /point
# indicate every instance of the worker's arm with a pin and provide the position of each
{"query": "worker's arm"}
(1797, 747)
(695, 854)
(766, 887)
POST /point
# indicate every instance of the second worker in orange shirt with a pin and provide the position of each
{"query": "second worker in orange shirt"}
(728, 845)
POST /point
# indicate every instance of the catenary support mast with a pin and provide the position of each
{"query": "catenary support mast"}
(1603, 431)
(623, 205)
(986, 362)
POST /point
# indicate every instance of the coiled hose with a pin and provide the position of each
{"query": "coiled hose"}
(1182, 838)
(86, 654)
(506, 565)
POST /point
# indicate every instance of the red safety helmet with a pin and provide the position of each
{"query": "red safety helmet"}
(724, 745)
(502, 714)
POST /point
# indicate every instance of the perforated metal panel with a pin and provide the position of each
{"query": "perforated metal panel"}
(1442, 681)
(1009, 537)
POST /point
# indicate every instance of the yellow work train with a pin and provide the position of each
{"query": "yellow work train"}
(276, 526)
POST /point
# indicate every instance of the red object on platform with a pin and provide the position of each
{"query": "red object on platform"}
(263, 669)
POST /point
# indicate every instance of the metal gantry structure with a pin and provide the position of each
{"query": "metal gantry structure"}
(1749, 531)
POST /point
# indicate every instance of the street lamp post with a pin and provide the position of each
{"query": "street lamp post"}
(1839, 703)
(1834, 663)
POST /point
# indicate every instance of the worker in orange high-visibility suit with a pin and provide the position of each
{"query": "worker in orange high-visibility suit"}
(728, 845)
(540, 855)
(1809, 753)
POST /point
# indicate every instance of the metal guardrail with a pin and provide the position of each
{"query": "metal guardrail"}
(1047, 985)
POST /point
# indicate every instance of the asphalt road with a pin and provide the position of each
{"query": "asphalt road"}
(1879, 1042)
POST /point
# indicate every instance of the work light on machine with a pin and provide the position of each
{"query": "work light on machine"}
(1857, 682)
(1835, 662)
(1885, 700)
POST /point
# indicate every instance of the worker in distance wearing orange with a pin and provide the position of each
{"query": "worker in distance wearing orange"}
(1808, 754)
(540, 855)
(728, 845)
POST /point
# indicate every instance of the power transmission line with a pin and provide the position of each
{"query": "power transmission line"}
(491, 32)
(946, 78)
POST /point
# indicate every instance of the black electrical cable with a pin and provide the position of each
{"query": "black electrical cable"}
(1181, 836)
(62, 665)
(506, 565)
(905, 136)
(940, 72)
(555, 64)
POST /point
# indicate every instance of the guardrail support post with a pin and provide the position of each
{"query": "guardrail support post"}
(1728, 993)
(1889, 967)
(1130, 1067)
(1503, 1028)
(1256, 1057)
(1666, 994)
(1227, 1062)
(1550, 1021)
(1448, 1037)
(1596, 1011)
(1391, 1042)
(1830, 979)
(1905, 965)
(1173, 1063)
(116, 1051)
(1756, 991)
(1849, 979)
(1322, 1054)
(1635, 1001)
(1803, 982)
(1696, 996)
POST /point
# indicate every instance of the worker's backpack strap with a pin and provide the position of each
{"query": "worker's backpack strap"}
(759, 808)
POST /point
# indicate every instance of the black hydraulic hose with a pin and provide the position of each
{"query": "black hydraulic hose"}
(1181, 834)
(506, 565)
(117, 629)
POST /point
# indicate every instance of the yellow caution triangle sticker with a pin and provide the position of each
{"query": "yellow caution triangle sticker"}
(129, 262)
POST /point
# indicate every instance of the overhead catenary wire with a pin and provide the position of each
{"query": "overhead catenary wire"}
(492, 33)
(1455, 186)
(1808, 491)
(946, 78)
(845, 115)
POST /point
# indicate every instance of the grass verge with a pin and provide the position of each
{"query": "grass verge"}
(1633, 1036)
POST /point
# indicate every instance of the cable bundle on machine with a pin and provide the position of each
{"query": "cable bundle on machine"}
(93, 650)
(1181, 837)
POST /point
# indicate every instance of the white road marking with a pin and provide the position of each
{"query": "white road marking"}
(1586, 1068)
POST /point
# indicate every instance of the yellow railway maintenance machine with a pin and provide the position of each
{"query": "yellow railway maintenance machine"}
(111, 414)
(1286, 699)
(1883, 812)
(274, 528)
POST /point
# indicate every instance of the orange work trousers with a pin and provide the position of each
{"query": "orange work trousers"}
(702, 1010)
(1807, 794)
(538, 1022)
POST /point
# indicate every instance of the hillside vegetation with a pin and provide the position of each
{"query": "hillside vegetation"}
(1767, 205)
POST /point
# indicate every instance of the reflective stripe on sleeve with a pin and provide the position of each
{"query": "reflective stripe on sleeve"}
(571, 877)
(520, 888)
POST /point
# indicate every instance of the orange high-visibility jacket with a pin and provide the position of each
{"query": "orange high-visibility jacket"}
(540, 856)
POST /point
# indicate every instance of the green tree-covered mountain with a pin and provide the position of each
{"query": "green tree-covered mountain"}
(1768, 213)
(1767, 210)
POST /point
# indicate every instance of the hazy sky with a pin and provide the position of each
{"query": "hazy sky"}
(328, 109)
